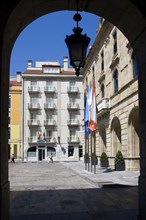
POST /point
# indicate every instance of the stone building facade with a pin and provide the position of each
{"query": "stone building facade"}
(52, 112)
(14, 127)
(113, 66)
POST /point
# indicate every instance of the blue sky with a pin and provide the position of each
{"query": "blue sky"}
(43, 39)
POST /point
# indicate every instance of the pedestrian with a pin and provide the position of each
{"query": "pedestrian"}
(12, 159)
(51, 159)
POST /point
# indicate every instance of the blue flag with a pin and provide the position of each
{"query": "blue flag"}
(86, 115)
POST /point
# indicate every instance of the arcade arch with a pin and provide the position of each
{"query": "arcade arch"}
(115, 135)
(16, 15)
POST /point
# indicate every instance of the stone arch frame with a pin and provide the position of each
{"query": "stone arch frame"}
(115, 135)
(102, 138)
(128, 16)
(133, 132)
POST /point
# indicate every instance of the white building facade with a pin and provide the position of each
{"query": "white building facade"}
(52, 112)
(113, 66)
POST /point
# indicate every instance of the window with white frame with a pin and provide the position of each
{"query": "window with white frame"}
(34, 85)
(49, 84)
(72, 100)
(72, 135)
(72, 118)
(34, 134)
(72, 84)
(33, 100)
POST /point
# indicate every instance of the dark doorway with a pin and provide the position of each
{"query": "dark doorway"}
(41, 154)
(80, 151)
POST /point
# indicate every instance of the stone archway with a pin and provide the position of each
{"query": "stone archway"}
(133, 138)
(16, 15)
(115, 135)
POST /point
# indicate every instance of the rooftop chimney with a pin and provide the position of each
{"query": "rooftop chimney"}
(18, 76)
(29, 63)
(65, 63)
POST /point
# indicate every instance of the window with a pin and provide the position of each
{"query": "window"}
(72, 100)
(9, 135)
(34, 85)
(49, 133)
(70, 151)
(72, 118)
(49, 117)
(9, 102)
(34, 135)
(102, 61)
(49, 100)
(135, 65)
(115, 78)
(72, 84)
(72, 135)
(33, 100)
(31, 152)
(93, 70)
(102, 91)
(115, 43)
(33, 118)
(49, 85)
(9, 120)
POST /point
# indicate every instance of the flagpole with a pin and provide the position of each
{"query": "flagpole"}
(94, 152)
(91, 150)
(88, 151)
(85, 150)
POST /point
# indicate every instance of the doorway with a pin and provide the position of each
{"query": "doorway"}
(41, 154)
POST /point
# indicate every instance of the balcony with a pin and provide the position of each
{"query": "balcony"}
(49, 89)
(34, 89)
(72, 106)
(73, 139)
(33, 106)
(33, 122)
(73, 122)
(50, 122)
(49, 106)
(103, 106)
(73, 89)
(50, 140)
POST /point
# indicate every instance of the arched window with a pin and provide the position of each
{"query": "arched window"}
(135, 65)
(102, 91)
(115, 78)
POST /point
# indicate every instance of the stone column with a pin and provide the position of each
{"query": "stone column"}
(4, 94)
(141, 49)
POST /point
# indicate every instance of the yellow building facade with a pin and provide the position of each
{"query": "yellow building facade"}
(15, 91)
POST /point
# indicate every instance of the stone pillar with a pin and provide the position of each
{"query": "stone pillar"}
(4, 94)
(142, 177)
(142, 116)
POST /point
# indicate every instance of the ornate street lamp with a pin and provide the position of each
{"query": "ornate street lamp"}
(77, 44)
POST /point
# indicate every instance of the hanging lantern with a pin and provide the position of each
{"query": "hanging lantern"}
(77, 44)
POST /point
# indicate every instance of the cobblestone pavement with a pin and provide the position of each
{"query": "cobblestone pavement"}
(66, 191)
